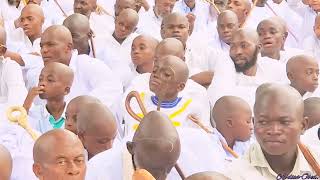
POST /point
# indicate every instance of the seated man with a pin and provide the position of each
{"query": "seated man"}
(241, 8)
(73, 108)
(96, 128)
(5, 163)
(150, 21)
(12, 89)
(100, 23)
(29, 30)
(92, 76)
(311, 110)
(247, 70)
(168, 78)
(303, 73)
(59, 154)
(142, 54)
(311, 43)
(149, 150)
(232, 117)
(278, 124)
(227, 23)
(273, 34)
(55, 82)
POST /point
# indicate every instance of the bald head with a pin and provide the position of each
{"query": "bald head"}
(62, 71)
(312, 110)
(32, 9)
(151, 41)
(170, 46)
(245, 34)
(46, 145)
(179, 67)
(227, 16)
(58, 33)
(130, 15)
(123, 4)
(156, 144)
(209, 175)
(295, 62)
(3, 36)
(77, 23)
(5, 163)
(91, 116)
(31, 21)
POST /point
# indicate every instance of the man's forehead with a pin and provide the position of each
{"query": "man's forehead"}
(269, 24)
(176, 20)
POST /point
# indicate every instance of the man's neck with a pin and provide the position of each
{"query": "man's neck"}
(251, 71)
(159, 175)
(273, 55)
(229, 139)
(33, 38)
(145, 68)
(282, 164)
(167, 98)
(120, 41)
(56, 107)
(84, 48)
(156, 13)
(302, 92)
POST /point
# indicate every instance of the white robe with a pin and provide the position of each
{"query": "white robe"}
(198, 153)
(310, 137)
(229, 82)
(312, 46)
(12, 87)
(307, 24)
(150, 24)
(101, 24)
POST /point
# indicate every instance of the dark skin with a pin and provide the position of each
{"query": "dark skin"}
(241, 8)
(169, 46)
(79, 27)
(303, 73)
(278, 124)
(227, 23)
(232, 117)
(244, 47)
(5, 163)
(272, 36)
(54, 83)
(312, 111)
(59, 154)
(85, 7)
(56, 45)
(123, 4)
(168, 77)
(125, 24)
(155, 146)
(96, 127)
(73, 109)
(208, 175)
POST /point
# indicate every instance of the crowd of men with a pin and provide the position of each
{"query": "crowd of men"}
(159, 89)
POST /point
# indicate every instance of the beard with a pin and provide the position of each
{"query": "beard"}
(250, 63)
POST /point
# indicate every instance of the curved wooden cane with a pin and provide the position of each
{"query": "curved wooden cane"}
(21, 119)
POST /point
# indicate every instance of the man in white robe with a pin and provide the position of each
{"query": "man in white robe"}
(312, 43)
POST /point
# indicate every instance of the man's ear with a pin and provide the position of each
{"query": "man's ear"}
(67, 90)
(181, 86)
(81, 136)
(69, 46)
(229, 122)
(290, 76)
(285, 36)
(304, 124)
(36, 168)
(130, 147)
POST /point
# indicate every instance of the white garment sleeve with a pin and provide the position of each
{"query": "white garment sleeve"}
(17, 91)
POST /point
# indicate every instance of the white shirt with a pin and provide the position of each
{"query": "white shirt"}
(227, 81)
(101, 24)
(312, 46)
(91, 77)
(310, 137)
(201, 11)
(12, 87)
(307, 24)
(18, 35)
(9, 12)
(39, 118)
(150, 24)
(217, 43)
(20, 145)
(198, 154)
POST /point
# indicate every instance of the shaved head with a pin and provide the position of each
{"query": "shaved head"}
(279, 120)
(303, 72)
(73, 109)
(64, 72)
(33, 9)
(232, 117)
(227, 14)
(180, 22)
(31, 21)
(61, 37)
(156, 145)
(178, 66)
(5, 163)
(248, 34)
(77, 22)
(130, 15)
(208, 175)
(127, 18)
(227, 24)
(54, 152)
(312, 110)
(96, 128)
(170, 46)
(123, 4)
